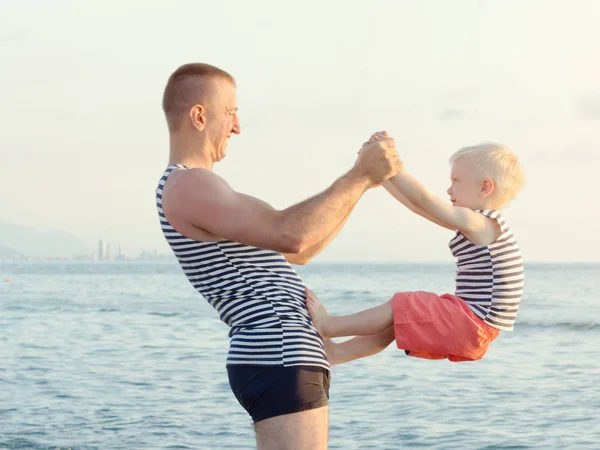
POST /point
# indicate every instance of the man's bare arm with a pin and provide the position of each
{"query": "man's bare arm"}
(308, 254)
(199, 198)
(206, 201)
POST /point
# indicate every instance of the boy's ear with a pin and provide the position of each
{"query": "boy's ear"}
(487, 187)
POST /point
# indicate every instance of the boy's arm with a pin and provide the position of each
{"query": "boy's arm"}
(402, 199)
(453, 217)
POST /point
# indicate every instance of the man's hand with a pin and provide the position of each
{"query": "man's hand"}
(378, 160)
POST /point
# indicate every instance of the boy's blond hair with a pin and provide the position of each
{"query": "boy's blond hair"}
(497, 162)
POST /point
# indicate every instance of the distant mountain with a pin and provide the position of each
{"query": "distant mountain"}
(31, 242)
(7, 252)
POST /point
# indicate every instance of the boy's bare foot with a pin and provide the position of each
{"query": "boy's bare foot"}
(318, 313)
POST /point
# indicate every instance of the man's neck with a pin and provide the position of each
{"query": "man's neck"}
(201, 160)
(190, 154)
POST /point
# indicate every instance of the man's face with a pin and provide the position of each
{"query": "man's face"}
(221, 117)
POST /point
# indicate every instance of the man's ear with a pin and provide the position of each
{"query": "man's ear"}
(197, 117)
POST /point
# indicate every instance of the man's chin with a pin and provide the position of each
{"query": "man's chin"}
(222, 154)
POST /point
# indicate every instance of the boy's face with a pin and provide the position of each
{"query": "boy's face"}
(465, 187)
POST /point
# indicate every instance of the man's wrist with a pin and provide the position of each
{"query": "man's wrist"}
(358, 179)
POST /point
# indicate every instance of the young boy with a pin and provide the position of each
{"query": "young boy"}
(489, 276)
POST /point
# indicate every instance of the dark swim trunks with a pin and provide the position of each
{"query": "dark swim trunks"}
(266, 391)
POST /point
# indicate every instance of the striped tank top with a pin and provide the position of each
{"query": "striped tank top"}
(489, 278)
(256, 292)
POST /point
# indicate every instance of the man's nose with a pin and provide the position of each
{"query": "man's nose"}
(237, 129)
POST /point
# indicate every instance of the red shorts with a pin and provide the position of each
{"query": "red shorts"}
(430, 326)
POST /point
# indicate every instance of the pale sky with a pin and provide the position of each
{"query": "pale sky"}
(83, 141)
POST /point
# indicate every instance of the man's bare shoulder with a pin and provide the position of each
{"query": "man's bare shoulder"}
(194, 181)
(195, 175)
(188, 197)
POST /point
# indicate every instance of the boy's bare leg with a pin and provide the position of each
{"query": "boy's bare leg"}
(367, 322)
(358, 347)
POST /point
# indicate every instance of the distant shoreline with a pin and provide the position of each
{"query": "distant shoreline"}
(170, 260)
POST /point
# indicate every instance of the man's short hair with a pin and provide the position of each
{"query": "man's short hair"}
(187, 86)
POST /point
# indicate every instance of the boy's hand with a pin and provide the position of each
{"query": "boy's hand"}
(378, 136)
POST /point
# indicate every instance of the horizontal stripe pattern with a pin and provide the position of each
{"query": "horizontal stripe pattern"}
(490, 278)
(256, 292)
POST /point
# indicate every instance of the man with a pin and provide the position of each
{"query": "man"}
(236, 250)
